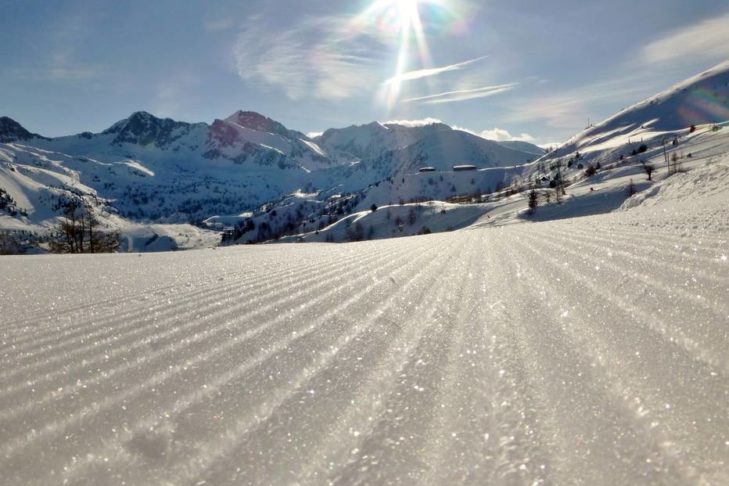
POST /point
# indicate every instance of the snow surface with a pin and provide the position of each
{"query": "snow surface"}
(582, 351)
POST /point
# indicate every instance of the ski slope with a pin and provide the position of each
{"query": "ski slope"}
(584, 351)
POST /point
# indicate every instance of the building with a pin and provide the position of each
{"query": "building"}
(463, 168)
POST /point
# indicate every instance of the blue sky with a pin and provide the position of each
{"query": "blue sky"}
(517, 68)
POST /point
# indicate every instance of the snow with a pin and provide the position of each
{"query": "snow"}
(588, 350)
(396, 221)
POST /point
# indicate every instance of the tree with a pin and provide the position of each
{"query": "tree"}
(649, 171)
(533, 201)
(79, 231)
(8, 244)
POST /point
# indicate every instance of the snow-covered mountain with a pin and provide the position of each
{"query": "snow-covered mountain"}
(157, 170)
(251, 138)
(244, 138)
(435, 144)
(700, 100)
(640, 132)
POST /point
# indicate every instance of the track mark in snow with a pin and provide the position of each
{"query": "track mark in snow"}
(517, 355)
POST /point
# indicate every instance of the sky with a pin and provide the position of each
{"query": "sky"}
(506, 69)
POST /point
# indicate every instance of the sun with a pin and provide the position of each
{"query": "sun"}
(404, 25)
(409, 13)
(401, 18)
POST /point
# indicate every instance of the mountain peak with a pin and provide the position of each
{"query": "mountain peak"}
(256, 121)
(12, 131)
(143, 128)
(142, 115)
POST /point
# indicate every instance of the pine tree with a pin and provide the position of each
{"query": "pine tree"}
(533, 201)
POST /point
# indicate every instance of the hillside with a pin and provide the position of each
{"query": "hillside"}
(700, 100)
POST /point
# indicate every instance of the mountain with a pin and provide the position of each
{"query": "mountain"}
(12, 131)
(359, 142)
(702, 99)
(640, 132)
(243, 138)
(525, 147)
(248, 137)
(410, 147)
(144, 129)
(437, 147)
(147, 172)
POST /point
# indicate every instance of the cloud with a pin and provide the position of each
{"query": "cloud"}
(708, 39)
(462, 95)
(501, 135)
(314, 134)
(318, 58)
(414, 123)
(425, 73)
(498, 135)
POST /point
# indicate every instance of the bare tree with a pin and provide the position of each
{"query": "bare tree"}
(80, 231)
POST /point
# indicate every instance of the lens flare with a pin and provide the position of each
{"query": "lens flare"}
(407, 24)
(703, 104)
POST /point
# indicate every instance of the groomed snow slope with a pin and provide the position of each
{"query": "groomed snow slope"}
(584, 351)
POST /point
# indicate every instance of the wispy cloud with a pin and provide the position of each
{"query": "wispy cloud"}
(426, 73)
(463, 95)
(316, 59)
(61, 66)
(708, 39)
(64, 67)
(569, 109)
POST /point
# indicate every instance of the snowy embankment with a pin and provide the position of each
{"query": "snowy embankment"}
(589, 350)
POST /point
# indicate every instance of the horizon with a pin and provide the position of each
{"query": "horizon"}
(503, 72)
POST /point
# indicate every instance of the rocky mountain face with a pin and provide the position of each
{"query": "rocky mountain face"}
(12, 131)
(145, 129)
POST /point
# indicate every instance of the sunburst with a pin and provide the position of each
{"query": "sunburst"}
(401, 22)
